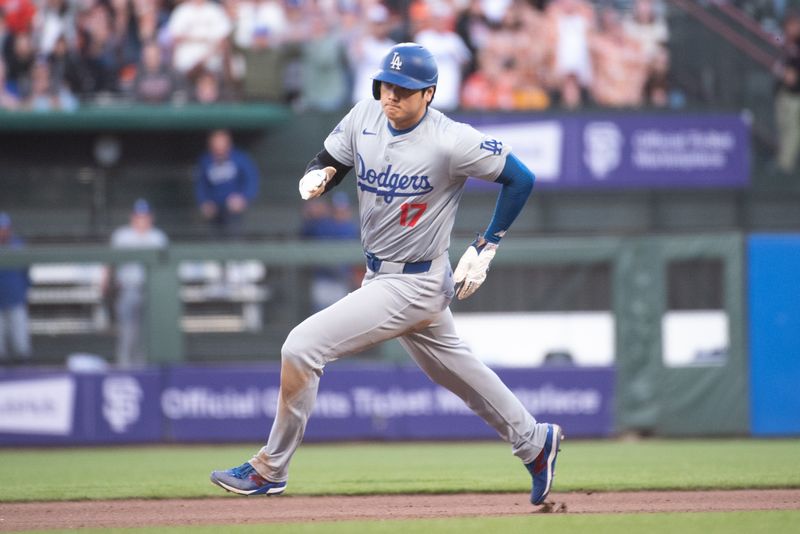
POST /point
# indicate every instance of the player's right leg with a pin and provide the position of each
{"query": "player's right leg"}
(373, 313)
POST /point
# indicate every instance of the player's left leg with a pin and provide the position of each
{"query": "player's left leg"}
(447, 360)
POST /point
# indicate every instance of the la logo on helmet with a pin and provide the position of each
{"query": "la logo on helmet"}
(396, 62)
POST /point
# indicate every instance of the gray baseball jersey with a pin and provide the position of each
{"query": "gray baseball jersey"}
(409, 185)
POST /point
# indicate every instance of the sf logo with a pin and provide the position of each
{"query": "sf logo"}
(396, 62)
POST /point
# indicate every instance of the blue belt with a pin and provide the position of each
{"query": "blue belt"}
(374, 264)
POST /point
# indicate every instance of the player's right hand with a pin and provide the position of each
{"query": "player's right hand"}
(313, 183)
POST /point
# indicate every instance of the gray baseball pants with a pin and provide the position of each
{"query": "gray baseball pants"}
(130, 309)
(389, 304)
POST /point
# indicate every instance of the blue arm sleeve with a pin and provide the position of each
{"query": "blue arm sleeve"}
(517, 182)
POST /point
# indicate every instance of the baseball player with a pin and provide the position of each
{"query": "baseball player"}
(411, 163)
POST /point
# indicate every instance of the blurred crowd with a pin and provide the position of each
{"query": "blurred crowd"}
(769, 14)
(319, 54)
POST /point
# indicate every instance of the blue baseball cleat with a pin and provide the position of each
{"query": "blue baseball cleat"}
(245, 480)
(543, 468)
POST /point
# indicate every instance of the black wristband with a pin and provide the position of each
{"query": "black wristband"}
(324, 159)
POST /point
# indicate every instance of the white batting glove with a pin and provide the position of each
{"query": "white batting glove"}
(472, 267)
(313, 183)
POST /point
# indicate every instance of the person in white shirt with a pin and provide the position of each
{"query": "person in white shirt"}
(259, 22)
(198, 30)
(130, 280)
(450, 51)
(366, 51)
(646, 24)
(572, 24)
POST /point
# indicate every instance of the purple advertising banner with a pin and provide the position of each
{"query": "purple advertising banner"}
(626, 151)
(63, 408)
(376, 402)
(227, 404)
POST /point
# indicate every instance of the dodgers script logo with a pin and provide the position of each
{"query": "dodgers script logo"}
(390, 184)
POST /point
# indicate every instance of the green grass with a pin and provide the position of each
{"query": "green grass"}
(700, 523)
(174, 471)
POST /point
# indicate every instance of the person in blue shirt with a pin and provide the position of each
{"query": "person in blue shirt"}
(226, 182)
(14, 285)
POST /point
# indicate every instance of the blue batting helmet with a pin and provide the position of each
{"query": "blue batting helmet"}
(408, 65)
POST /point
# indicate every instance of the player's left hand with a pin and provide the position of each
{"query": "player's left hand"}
(472, 267)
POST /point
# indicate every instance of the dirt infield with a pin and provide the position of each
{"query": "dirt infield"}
(256, 510)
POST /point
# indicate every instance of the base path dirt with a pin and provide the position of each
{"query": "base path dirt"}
(289, 509)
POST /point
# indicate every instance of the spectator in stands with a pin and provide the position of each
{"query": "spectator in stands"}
(93, 46)
(65, 66)
(620, 65)
(130, 282)
(527, 27)
(209, 89)
(226, 182)
(45, 94)
(571, 95)
(126, 40)
(259, 22)
(55, 21)
(8, 100)
(97, 48)
(260, 31)
(298, 16)
(570, 25)
(452, 55)
(14, 285)
(324, 67)
(149, 16)
(646, 24)
(367, 49)
(155, 83)
(198, 31)
(491, 86)
(326, 221)
(19, 54)
(656, 89)
(508, 75)
(474, 28)
(648, 27)
(787, 98)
